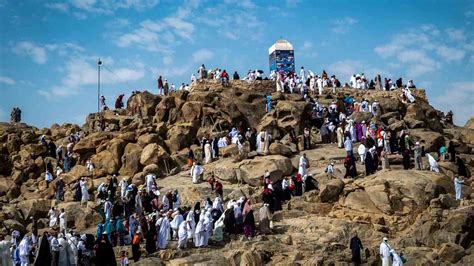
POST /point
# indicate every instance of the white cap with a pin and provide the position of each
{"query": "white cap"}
(385, 238)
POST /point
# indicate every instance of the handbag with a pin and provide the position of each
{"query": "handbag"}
(271, 224)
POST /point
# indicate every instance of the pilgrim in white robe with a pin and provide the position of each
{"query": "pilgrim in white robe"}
(196, 171)
(408, 94)
(319, 81)
(340, 137)
(192, 225)
(66, 256)
(385, 253)
(433, 163)
(208, 225)
(85, 193)
(150, 182)
(53, 218)
(123, 187)
(63, 222)
(73, 245)
(260, 142)
(177, 202)
(108, 210)
(458, 187)
(24, 248)
(362, 151)
(397, 261)
(200, 233)
(175, 223)
(5, 257)
(207, 153)
(165, 203)
(164, 233)
(279, 83)
(303, 165)
(183, 232)
(218, 205)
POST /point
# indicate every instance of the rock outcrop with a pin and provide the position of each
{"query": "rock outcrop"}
(153, 134)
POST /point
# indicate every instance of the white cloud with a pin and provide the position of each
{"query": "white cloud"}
(108, 7)
(421, 50)
(450, 54)
(37, 53)
(79, 15)
(62, 7)
(7, 80)
(202, 55)
(293, 3)
(344, 69)
(160, 35)
(241, 3)
(458, 98)
(82, 71)
(343, 25)
(456, 34)
(237, 23)
(307, 45)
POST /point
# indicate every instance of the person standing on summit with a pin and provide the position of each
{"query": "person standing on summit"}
(160, 85)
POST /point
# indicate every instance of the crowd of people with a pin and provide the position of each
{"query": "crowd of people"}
(136, 215)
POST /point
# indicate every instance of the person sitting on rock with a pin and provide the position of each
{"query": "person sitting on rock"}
(224, 78)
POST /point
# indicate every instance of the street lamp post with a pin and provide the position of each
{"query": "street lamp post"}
(99, 63)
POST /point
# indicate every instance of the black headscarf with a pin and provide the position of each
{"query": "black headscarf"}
(105, 253)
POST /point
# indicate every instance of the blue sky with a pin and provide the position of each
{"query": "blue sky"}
(48, 49)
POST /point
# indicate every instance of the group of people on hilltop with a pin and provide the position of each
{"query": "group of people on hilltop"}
(15, 115)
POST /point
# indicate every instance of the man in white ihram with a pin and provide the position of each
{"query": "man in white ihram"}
(385, 252)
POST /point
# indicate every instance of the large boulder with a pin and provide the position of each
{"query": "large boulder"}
(450, 252)
(226, 171)
(105, 160)
(142, 103)
(36, 208)
(277, 165)
(180, 136)
(149, 138)
(91, 142)
(399, 191)
(277, 148)
(153, 154)
(13, 143)
(229, 150)
(330, 192)
(191, 111)
(470, 123)
(430, 139)
(33, 150)
(131, 160)
(289, 113)
(5, 185)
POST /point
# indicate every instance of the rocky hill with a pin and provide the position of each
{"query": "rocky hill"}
(415, 209)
